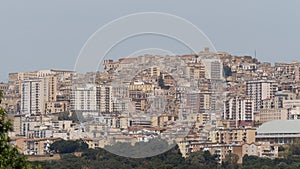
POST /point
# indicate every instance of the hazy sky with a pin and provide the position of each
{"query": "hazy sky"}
(49, 34)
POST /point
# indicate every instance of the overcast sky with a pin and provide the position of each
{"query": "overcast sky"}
(49, 34)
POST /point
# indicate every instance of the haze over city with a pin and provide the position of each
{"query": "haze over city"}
(42, 35)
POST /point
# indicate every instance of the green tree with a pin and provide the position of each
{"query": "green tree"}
(9, 155)
(69, 146)
(230, 161)
(202, 159)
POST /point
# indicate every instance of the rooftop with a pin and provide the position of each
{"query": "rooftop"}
(280, 126)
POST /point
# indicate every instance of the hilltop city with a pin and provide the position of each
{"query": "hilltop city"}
(212, 101)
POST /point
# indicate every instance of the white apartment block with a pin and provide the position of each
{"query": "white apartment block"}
(214, 69)
(36, 93)
(260, 90)
(31, 97)
(83, 100)
(237, 108)
(92, 100)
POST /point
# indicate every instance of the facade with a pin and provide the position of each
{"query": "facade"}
(294, 113)
(214, 69)
(198, 102)
(4, 86)
(57, 107)
(84, 100)
(17, 124)
(104, 98)
(259, 149)
(260, 90)
(266, 115)
(196, 70)
(31, 97)
(92, 100)
(291, 103)
(33, 146)
(238, 109)
(235, 135)
(36, 93)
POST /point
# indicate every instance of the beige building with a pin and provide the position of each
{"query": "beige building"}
(266, 115)
(3, 87)
(291, 103)
(229, 136)
(138, 94)
(162, 120)
(57, 107)
(260, 149)
(51, 83)
(196, 70)
(33, 146)
(17, 124)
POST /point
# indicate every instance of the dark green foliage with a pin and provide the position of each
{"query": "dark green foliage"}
(140, 149)
(281, 148)
(100, 158)
(69, 146)
(289, 162)
(202, 159)
(230, 161)
(295, 149)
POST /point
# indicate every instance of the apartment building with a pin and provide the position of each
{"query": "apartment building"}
(36, 93)
(31, 97)
(238, 109)
(260, 90)
(57, 107)
(232, 135)
(214, 69)
(92, 100)
(198, 102)
(266, 115)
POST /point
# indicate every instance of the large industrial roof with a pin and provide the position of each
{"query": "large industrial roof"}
(280, 126)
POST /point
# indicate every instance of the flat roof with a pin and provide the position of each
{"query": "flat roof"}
(280, 126)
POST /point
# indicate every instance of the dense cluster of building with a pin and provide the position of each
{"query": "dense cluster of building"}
(210, 101)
